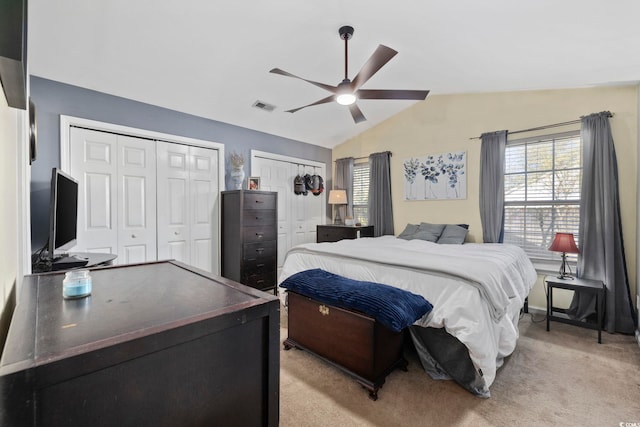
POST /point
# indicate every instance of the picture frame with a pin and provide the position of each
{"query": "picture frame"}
(253, 183)
(438, 176)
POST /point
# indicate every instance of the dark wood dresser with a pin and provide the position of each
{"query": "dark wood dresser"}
(335, 232)
(249, 237)
(157, 344)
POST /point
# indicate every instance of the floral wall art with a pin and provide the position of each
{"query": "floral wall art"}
(436, 176)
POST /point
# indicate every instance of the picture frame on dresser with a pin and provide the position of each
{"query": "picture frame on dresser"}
(253, 183)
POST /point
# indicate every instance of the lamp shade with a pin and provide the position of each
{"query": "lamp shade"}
(564, 242)
(337, 197)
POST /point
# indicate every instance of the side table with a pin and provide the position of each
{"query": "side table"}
(336, 232)
(595, 287)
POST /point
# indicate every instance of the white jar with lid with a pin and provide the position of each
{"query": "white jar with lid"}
(76, 284)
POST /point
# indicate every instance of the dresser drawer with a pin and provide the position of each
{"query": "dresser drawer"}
(261, 264)
(253, 217)
(260, 281)
(260, 251)
(259, 201)
(334, 233)
(327, 234)
(258, 234)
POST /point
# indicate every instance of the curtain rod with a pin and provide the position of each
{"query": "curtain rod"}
(354, 158)
(572, 122)
(357, 158)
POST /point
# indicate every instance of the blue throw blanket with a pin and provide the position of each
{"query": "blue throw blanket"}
(393, 307)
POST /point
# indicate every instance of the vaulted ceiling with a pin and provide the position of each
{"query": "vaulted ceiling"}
(212, 58)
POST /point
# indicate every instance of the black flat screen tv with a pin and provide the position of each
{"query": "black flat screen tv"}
(63, 210)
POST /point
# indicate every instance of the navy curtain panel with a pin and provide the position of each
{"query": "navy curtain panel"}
(602, 254)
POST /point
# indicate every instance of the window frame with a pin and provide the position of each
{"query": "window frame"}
(364, 187)
(552, 262)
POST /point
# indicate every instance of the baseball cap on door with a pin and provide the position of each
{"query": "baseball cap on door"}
(299, 186)
(317, 185)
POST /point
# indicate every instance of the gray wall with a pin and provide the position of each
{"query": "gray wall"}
(53, 99)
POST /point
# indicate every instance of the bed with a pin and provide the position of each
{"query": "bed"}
(477, 292)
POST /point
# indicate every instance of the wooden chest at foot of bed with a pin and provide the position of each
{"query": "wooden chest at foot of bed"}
(353, 342)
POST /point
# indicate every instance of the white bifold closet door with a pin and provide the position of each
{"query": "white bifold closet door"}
(117, 191)
(145, 200)
(298, 215)
(188, 205)
(307, 211)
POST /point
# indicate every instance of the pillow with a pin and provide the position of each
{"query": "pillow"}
(453, 235)
(428, 232)
(395, 308)
(408, 232)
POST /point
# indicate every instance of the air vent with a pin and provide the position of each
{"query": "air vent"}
(264, 106)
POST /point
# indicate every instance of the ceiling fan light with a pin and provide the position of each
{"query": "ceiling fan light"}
(346, 99)
(345, 95)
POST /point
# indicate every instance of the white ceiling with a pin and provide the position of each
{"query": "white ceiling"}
(212, 58)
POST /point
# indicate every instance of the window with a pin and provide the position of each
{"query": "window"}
(542, 192)
(361, 193)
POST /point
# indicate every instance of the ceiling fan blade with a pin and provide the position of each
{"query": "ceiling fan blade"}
(381, 56)
(391, 94)
(328, 99)
(332, 89)
(356, 113)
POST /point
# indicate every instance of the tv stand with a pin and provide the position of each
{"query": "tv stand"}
(74, 260)
(68, 262)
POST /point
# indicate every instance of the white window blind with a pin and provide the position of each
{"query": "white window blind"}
(542, 192)
(361, 193)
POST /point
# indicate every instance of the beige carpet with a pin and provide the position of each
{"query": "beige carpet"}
(562, 377)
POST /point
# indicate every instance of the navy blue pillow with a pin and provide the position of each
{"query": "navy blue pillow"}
(393, 307)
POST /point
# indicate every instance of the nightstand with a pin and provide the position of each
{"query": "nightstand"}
(595, 287)
(335, 232)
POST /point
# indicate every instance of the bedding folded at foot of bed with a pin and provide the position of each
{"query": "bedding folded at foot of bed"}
(393, 307)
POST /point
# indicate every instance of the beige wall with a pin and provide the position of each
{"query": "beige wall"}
(9, 247)
(444, 123)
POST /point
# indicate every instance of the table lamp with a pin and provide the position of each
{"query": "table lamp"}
(338, 197)
(564, 242)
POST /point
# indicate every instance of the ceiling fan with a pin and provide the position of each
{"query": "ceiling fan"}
(347, 91)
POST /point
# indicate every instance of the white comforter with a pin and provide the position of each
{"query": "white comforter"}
(476, 290)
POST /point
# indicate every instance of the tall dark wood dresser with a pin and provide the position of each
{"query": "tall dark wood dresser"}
(249, 237)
